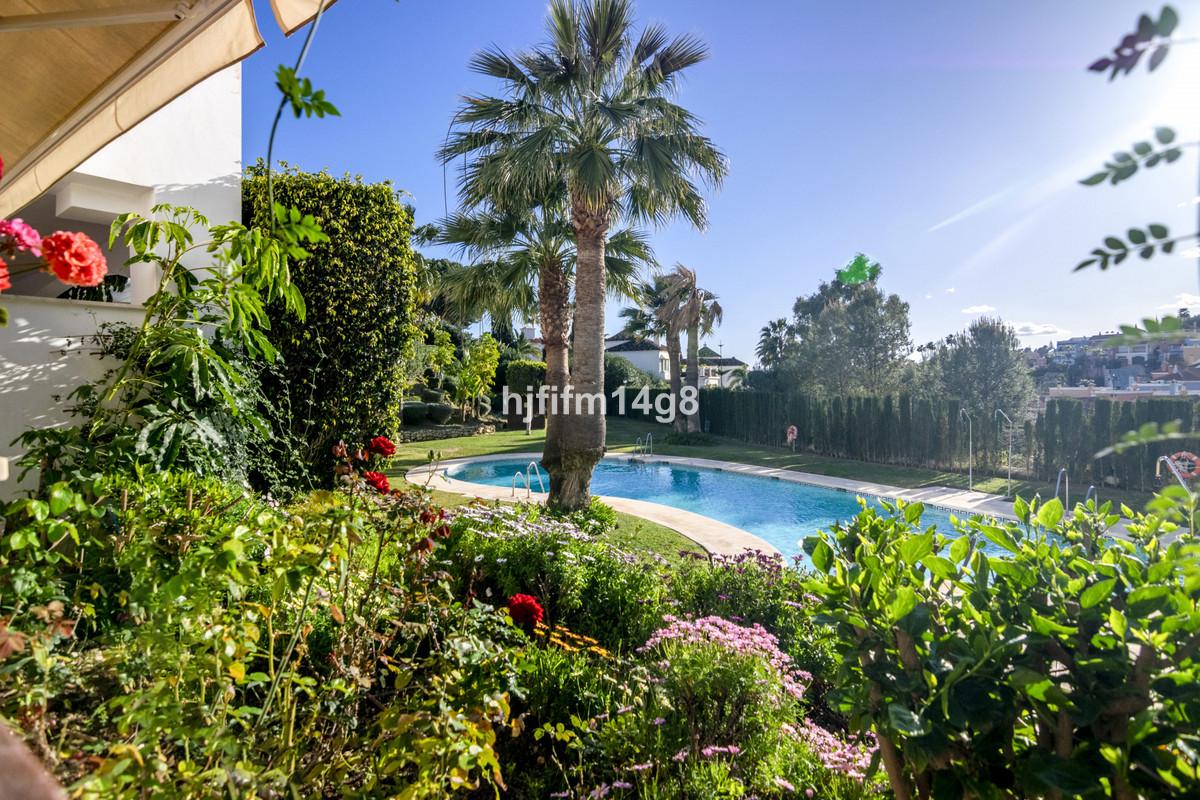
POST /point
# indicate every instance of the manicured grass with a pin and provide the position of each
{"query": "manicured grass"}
(622, 433)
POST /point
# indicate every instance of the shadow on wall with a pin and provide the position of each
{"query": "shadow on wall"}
(43, 356)
(42, 359)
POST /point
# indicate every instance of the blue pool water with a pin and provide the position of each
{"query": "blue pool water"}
(781, 512)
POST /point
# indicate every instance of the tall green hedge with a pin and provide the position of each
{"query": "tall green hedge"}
(343, 362)
(524, 374)
(929, 433)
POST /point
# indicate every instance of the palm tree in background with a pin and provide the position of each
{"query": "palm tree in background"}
(695, 310)
(647, 320)
(591, 110)
(531, 255)
(774, 342)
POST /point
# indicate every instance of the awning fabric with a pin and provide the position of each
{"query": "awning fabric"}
(79, 73)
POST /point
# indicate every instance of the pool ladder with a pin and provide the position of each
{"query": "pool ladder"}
(645, 448)
(536, 470)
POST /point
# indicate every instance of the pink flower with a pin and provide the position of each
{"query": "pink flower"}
(21, 236)
(74, 258)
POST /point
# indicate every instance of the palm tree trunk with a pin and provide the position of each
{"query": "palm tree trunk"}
(693, 373)
(554, 297)
(676, 378)
(583, 428)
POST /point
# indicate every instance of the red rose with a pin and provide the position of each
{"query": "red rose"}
(525, 610)
(378, 480)
(5, 283)
(381, 446)
(74, 258)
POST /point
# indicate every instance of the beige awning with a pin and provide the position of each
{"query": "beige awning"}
(79, 73)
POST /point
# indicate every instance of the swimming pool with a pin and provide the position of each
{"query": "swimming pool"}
(781, 512)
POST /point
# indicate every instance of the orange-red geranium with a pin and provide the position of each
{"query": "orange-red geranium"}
(5, 283)
(74, 258)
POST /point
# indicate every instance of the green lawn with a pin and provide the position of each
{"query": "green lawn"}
(622, 433)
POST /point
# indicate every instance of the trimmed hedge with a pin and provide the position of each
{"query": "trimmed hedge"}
(415, 413)
(928, 433)
(523, 374)
(343, 363)
(440, 413)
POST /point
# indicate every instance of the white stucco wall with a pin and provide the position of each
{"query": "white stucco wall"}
(189, 153)
(651, 361)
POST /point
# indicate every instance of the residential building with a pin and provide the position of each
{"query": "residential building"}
(646, 355)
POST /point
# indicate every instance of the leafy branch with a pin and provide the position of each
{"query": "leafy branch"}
(1156, 238)
(1124, 165)
(1149, 36)
(861, 269)
(1150, 433)
(1167, 329)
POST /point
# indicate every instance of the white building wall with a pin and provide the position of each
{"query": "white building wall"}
(652, 361)
(187, 153)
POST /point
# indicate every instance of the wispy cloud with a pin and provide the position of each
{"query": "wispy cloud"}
(928, 297)
(982, 309)
(1182, 300)
(951, 290)
(1038, 329)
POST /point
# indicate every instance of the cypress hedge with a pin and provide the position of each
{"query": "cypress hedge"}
(919, 432)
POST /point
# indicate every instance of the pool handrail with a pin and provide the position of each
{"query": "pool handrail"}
(650, 444)
(1062, 473)
(536, 471)
(525, 475)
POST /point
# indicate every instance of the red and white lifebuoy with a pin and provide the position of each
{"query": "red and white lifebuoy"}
(792, 433)
(1188, 463)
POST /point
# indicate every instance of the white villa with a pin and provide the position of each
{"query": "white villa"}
(716, 371)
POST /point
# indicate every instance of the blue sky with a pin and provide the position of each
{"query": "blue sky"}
(942, 138)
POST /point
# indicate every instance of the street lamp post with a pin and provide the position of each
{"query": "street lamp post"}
(962, 412)
(1000, 413)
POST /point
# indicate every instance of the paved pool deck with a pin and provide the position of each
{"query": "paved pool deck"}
(711, 534)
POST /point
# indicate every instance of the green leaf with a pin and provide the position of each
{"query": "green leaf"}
(1164, 135)
(1157, 231)
(905, 721)
(1095, 180)
(1167, 21)
(1113, 243)
(1096, 592)
(905, 602)
(1050, 513)
(1136, 236)
(821, 556)
(1117, 620)
(1048, 627)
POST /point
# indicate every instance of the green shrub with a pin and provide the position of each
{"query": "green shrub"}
(525, 375)
(583, 583)
(693, 439)
(151, 625)
(415, 413)
(428, 395)
(618, 371)
(440, 413)
(344, 361)
(1064, 667)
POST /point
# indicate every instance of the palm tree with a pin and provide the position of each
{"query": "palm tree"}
(591, 111)
(688, 307)
(648, 321)
(534, 254)
(774, 342)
